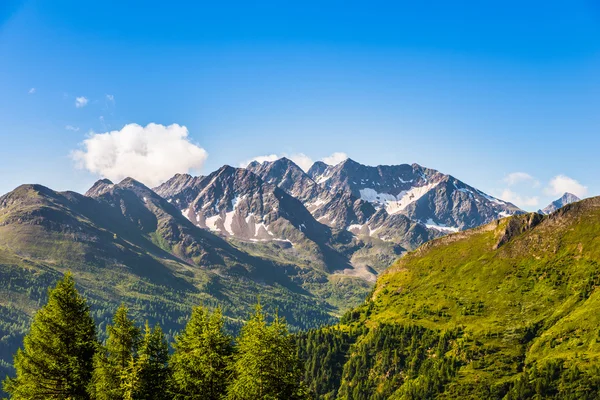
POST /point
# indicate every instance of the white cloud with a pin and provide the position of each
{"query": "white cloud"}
(150, 154)
(81, 102)
(72, 128)
(110, 97)
(520, 201)
(260, 159)
(335, 158)
(31, 91)
(561, 184)
(300, 159)
(520, 177)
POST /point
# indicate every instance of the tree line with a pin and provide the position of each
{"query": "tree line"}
(62, 357)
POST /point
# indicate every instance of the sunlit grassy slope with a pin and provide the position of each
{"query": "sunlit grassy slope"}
(480, 313)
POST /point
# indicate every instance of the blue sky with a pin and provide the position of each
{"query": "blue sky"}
(475, 90)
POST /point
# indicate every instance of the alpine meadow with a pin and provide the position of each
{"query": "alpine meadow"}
(299, 200)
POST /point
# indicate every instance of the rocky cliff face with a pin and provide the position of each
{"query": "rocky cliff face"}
(424, 195)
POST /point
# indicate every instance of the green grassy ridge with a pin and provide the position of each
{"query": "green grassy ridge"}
(514, 299)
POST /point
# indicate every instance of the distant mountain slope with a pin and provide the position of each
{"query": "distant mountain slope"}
(507, 310)
(124, 243)
(566, 198)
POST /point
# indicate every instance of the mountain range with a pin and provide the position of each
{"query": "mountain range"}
(309, 244)
(406, 205)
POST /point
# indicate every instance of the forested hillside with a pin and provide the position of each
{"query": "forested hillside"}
(510, 310)
(129, 245)
(62, 358)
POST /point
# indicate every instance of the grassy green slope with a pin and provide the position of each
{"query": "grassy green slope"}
(139, 252)
(487, 310)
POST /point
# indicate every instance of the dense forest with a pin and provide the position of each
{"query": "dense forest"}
(62, 358)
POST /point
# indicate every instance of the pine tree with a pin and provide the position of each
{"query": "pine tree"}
(147, 376)
(113, 360)
(57, 356)
(131, 381)
(200, 363)
(266, 364)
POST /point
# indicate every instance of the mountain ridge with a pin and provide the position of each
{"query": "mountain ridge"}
(506, 310)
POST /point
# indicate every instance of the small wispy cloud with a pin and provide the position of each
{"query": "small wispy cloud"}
(81, 102)
(561, 184)
(515, 178)
(335, 158)
(521, 201)
(31, 91)
(72, 128)
(110, 97)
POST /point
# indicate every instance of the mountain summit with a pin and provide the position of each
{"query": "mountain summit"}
(566, 198)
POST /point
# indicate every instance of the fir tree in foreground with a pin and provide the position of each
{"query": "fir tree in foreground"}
(147, 376)
(266, 365)
(56, 361)
(200, 363)
(112, 362)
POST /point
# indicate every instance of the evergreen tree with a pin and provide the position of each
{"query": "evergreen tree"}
(147, 376)
(57, 355)
(266, 364)
(113, 361)
(200, 363)
(131, 382)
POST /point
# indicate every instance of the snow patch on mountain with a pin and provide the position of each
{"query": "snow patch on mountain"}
(441, 227)
(229, 221)
(373, 196)
(395, 204)
(211, 222)
(407, 197)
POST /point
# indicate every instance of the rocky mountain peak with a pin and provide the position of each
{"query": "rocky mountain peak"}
(131, 182)
(99, 187)
(565, 199)
(569, 198)
(317, 169)
(285, 174)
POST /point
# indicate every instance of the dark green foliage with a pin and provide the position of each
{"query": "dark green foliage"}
(266, 365)
(324, 353)
(554, 380)
(112, 362)
(57, 356)
(147, 376)
(406, 359)
(201, 359)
